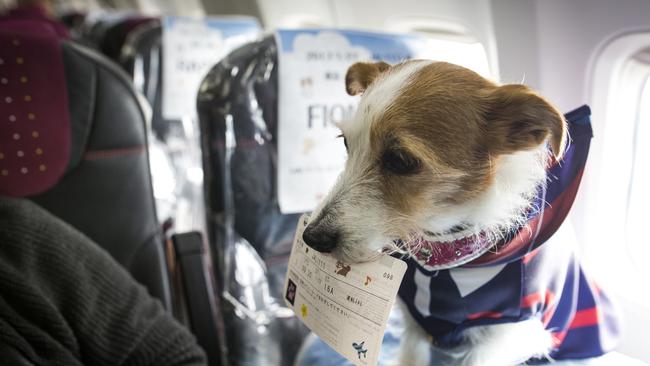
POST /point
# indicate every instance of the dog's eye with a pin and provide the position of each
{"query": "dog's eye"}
(400, 162)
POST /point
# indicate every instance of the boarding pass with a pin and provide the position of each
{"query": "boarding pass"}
(346, 305)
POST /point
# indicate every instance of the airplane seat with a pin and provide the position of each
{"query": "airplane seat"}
(73, 140)
(73, 20)
(92, 31)
(251, 238)
(107, 32)
(141, 57)
(175, 138)
(116, 35)
(75, 143)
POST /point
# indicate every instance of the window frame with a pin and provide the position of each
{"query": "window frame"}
(606, 259)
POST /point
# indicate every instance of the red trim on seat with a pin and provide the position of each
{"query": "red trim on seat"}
(111, 153)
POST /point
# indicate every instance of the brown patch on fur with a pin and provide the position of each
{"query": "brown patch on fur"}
(521, 119)
(438, 118)
(361, 74)
(458, 124)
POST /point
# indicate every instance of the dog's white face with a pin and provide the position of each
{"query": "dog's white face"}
(434, 150)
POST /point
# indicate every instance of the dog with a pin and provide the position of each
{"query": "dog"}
(442, 165)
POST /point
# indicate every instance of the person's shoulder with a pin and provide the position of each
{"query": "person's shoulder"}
(14, 211)
(18, 212)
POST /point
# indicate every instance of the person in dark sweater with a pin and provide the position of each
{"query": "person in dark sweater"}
(65, 301)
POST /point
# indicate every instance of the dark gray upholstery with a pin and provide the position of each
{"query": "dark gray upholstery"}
(106, 192)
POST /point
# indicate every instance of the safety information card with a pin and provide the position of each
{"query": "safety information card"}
(346, 305)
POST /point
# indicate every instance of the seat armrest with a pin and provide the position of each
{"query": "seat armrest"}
(203, 306)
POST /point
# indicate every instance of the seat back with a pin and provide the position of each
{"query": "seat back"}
(144, 53)
(141, 57)
(115, 35)
(145, 56)
(250, 235)
(97, 134)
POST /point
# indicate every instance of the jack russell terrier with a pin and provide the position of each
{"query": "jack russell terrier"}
(454, 174)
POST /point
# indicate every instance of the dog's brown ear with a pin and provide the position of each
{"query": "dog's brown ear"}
(520, 119)
(362, 74)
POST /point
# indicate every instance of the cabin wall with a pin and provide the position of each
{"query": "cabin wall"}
(515, 29)
(571, 32)
(551, 44)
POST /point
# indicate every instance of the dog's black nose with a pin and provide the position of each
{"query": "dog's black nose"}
(322, 239)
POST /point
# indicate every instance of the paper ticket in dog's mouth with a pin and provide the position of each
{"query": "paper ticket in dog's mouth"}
(346, 305)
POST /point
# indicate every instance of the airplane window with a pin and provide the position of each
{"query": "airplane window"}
(638, 195)
(617, 178)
